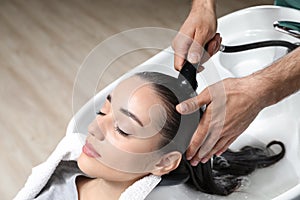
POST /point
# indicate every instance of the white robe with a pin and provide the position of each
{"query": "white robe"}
(69, 148)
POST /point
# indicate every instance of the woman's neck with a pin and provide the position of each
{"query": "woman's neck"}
(89, 189)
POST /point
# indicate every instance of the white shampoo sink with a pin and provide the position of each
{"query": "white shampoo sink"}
(279, 122)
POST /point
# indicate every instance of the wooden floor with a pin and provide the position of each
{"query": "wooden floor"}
(42, 45)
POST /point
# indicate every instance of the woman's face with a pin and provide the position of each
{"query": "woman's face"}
(124, 139)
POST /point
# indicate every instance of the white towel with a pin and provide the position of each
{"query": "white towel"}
(69, 148)
(141, 188)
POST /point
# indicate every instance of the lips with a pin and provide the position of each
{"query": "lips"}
(89, 150)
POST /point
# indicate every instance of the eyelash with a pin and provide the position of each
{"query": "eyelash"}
(116, 126)
(120, 131)
(100, 113)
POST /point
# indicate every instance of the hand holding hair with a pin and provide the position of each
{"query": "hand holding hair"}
(245, 98)
(220, 124)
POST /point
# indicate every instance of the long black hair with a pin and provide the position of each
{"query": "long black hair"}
(221, 175)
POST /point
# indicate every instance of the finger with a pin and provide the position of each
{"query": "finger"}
(225, 147)
(178, 62)
(219, 42)
(213, 45)
(197, 47)
(198, 137)
(221, 144)
(195, 53)
(180, 45)
(218, 146)
(220, 152)
(210, 142)
(193, 104)
(206, 147)
(205, 57)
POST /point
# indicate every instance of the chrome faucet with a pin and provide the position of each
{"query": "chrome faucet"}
(288, 27)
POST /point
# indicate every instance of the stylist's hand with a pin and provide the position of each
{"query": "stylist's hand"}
(231, 105)
(198, 30)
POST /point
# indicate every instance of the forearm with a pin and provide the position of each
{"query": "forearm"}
(203, 16)
(277, 81)
(200, 4)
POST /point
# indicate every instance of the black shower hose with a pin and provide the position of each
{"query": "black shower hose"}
(231, 49)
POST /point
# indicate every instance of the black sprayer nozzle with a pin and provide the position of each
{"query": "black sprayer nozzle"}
(189, 72)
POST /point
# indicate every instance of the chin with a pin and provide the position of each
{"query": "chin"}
(95, 169)
(88, 165)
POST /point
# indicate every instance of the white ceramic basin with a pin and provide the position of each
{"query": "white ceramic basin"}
(251, 25)
(278, 122)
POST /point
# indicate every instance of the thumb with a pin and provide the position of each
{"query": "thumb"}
(193, 104)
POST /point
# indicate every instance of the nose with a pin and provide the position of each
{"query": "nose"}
(95, 128)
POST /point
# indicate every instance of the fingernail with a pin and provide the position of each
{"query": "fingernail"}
(183, 107)
(194, 163)
(204, 160)
(189, 158)
(219, 153)
(194, 57)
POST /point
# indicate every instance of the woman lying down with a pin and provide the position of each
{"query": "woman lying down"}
(136, 142)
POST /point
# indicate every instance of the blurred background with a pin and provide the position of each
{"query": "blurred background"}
(43, 44)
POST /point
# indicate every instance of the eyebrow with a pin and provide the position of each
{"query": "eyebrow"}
(127, 113)
(132, 116)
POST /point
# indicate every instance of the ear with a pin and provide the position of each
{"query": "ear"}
(167, 163)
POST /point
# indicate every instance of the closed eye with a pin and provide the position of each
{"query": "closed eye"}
(100, 113)
(108, 98)
(117, 128)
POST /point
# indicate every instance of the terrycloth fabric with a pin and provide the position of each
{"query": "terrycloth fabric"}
(141, 188)
(69, 148)
(62, 184)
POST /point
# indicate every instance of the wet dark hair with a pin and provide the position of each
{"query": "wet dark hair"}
(221, 175)
(177, 128)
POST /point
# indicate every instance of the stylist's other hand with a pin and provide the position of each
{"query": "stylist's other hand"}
(198, 30)
(231, 105)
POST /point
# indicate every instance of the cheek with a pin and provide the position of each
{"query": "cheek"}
(134, 144)
(122, 160)
(126, 155)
